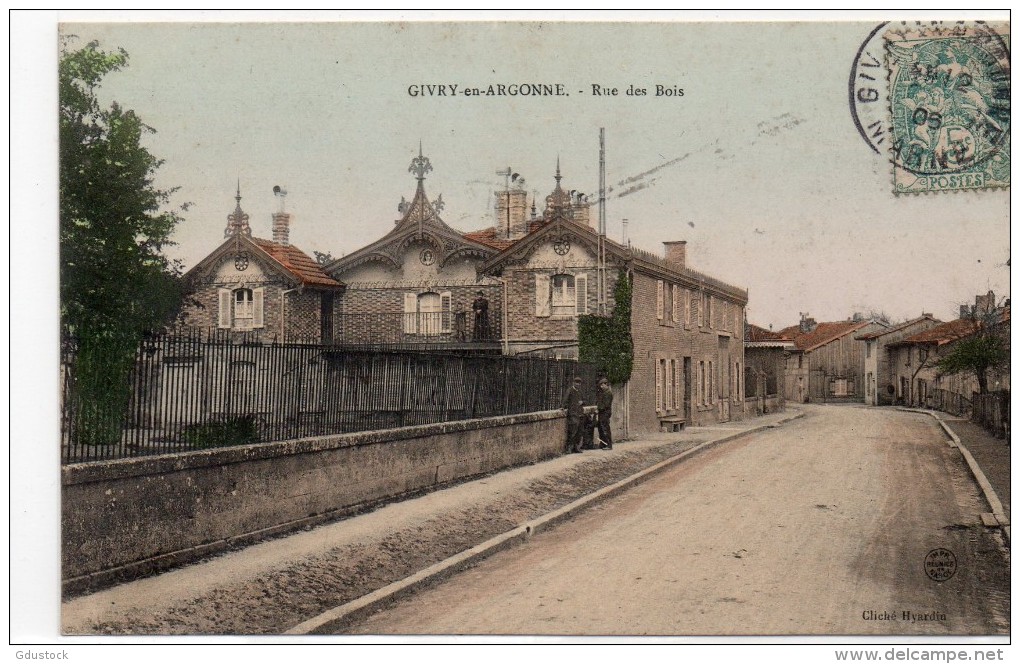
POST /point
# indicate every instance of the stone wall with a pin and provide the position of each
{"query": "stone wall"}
(130, 517)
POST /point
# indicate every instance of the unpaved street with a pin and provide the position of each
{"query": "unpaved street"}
(819, 527)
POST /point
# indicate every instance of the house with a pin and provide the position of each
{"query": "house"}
(686, 327)
(879, 379)
(828, 363)
(915, 378)
(267, 290)
(419, 284)
(765, 356)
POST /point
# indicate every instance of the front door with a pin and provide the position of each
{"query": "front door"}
(725, 379)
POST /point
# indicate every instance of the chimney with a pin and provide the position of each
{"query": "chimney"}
(281, 219)
(511, 213)
(807, 324)
(984, 304)
(964, 311)
(676, 252)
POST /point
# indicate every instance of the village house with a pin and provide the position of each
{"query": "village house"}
(913, 360)
(879, 379)
(258, 289)
(419, 285)
(765, 355)
(828, 363)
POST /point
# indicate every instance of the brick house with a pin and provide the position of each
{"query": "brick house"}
(828, 362)
(419, 283)
(267, 290)
(686, 327)
(879, 380)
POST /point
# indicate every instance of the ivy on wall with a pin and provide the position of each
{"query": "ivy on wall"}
(605, 341)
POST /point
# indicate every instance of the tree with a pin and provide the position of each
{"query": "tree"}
(605, 341)
(115, 284)
(976, 354)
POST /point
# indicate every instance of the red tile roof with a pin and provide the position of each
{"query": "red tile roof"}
(944, 333)
(490, 236)
(897, 328)
(822, 334)
(298, 263)
(753, 333)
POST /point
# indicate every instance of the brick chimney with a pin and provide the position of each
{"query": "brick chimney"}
(964, 311)
(676, 252)
(807, 324)
(281, 219)
(513, 222)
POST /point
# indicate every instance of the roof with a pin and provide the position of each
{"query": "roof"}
(306, 270)
(490, 237)
(901, 326)
(823, 333)
(944, 333)
(760, 337)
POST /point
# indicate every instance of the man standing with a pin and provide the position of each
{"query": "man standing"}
(574, 406)
(481, 309)
(604, 403)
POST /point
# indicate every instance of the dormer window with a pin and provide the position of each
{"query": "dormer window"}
(241, 308)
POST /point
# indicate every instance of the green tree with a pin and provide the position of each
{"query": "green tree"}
(605, 341)
(976, 354)
(115, 283)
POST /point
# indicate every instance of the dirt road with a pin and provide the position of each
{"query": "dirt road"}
(820, 527)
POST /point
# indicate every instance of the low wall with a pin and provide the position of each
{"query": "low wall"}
(129, 517)
(772, 404)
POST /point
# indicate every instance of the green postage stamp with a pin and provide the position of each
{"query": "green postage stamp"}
(949, 97)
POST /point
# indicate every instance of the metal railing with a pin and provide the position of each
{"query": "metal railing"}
(189, 392)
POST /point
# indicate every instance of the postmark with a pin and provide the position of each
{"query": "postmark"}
(869, 106)
(949, 99)
(940, 564)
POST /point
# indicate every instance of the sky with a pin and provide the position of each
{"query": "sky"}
(759, 165)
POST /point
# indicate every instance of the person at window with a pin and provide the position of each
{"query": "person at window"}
(604, 403)
(480, 307)
(574, 406)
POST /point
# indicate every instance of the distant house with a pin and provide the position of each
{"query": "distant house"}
(765, 356)
(266, 290)
(913, 359)
(879, 379)
(828, 363)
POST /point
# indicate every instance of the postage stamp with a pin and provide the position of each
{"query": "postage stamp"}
(949, 97)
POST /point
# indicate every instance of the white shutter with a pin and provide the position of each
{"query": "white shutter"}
(410, 313)
(224, 312)
(542, 303)
(668, 386)
(711, 312)
(659, 296)
(581, 292)
(676, 303)
(258, 307)
(687, 309)
(676, 384)
(658, 384)
(446, 303)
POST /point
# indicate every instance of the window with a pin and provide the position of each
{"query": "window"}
(561, 295)
(427, 313)
(660, 299)
(701, 383)
(675, 299)
(241, 308)
(711, 383)
(687, 309)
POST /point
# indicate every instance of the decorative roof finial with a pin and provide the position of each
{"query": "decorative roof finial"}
(237, 221)
(557, 170)
(420, 165)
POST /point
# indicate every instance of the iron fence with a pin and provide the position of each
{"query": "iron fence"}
(194, 391)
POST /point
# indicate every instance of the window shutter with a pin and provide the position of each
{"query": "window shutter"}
(542, 303)
(258, 307)
(687, 309)
(446, 302)
(676, 384)
(711, 312)
(581, 291)
(675, 292)
(410, 313)
(659, 297)
(658, 384)
(224, 311)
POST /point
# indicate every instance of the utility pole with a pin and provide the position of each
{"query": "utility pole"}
(601, 277)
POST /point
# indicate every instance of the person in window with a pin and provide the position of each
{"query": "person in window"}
(574, 406)
(481, 309)
(604, 403)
